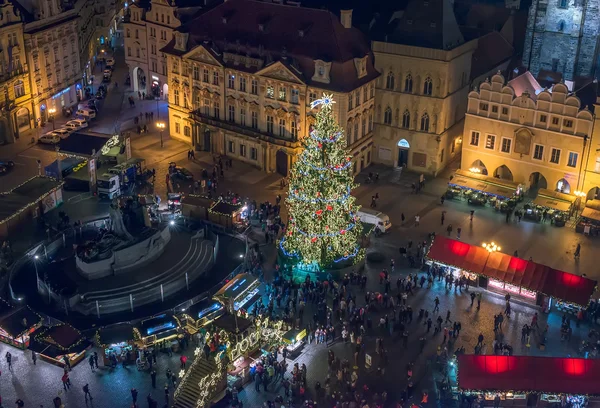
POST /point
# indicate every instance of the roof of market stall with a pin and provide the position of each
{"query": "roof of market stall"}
(515, 271)
(158, 324)
(16, 321)
(528, 374)
(557, 195)
(552, 203)
(115, 334)
(236, 285)
(591, 214)
(232, 324)
(483, 186)
(27, 194)
(593, 204)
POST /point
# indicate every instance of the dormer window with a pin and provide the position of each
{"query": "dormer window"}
(361, 66)
(261, 27)
(322, 70)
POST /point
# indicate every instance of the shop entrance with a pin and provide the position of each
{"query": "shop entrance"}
(403, 148)
(23, 120)
(207, 141)
(563, 186)
(504, 173)
(281, 162)
(139, 80)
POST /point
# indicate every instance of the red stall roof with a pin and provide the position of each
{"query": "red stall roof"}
(516, 271)
(459, 254)
(529, 374)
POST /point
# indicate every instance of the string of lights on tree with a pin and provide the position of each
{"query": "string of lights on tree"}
(322, 223)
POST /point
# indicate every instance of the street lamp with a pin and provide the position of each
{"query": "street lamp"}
(475, 170)
(52, 111)
(491, 247)
(161, 126)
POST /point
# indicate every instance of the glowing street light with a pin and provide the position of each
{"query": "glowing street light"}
(161, 126)
(52, 111)
(475, 170)
(491, 247)
(580, 194)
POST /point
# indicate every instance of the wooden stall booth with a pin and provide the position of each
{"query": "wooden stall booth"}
(117, 343)
(230, 216)
(239, 293)
(200, 314)
(196, 206)
(589, 222)
(17, 324)
(162, 328)
(61, 344)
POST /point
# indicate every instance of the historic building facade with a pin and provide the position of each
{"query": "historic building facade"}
(537, 140)
(562, 36)
(15, 91)
(148, 28)
(243, 74)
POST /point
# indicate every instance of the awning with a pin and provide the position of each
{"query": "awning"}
(552, 203)
(470, 258)
(591, 214)
(515, 271)
(484, 186)
(593, 204)
(468, 183)
(542, 192)
(501, 191)
(528, 374)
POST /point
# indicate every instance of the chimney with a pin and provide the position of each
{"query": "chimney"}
(346, 18)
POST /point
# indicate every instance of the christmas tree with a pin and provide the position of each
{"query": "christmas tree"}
(323, 227)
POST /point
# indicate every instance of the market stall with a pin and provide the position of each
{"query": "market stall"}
(244, 347)
(499, 272)
(480, 190)
(160, 328)
(200, 314)
(17, 324)
(117, 342)
(294, 340)
(516, 378)
(196, 206)
(230, 216)
(241, 292)
(59, 344)
(589, 222)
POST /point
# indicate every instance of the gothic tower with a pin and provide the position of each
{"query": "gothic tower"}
(562, 37)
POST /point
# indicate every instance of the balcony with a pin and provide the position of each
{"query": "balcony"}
(13, 73)
(198, 116)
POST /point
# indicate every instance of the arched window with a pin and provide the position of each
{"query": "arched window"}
(390, 81)
(563, 3)
(406, 119)
(425, 122)
(408, 82)
(387, 116)
(349, 134)
(427, 86)
(561, 25)
(19, 89)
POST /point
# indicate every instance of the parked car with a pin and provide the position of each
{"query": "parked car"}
(49, 138)
(106, 79)
(76, 124)
(63, 132)
(6, 166)
(181, 173)
(110, 62)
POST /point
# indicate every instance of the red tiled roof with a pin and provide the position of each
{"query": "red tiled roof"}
(324, 36)
(492, 50)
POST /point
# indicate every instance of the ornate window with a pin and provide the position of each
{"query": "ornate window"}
(389, 84)
(387, 116)
(408, 83)
(425, 122)
(427, 86)
(19, 89)
(406, 119)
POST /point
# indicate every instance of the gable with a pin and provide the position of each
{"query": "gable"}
(201, 54)
(280, 72)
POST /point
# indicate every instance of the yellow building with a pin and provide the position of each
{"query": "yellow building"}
(427, 65)
(521, 132)
(15, 92)
(242, 76)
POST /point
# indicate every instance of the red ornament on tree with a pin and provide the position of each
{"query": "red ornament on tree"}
(329, 208)
(342, 232)
(320, 145)
(319, 212)
(290, 233)
(313, 239)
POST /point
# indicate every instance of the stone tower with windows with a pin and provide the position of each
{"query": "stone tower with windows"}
(562, 37)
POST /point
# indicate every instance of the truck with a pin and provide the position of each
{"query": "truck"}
(108, 185)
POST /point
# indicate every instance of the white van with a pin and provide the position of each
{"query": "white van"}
(86, 113)
(380, 220)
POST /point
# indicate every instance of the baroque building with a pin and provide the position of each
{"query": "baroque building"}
(149, 27)
(427, 64)
(562, 37)
(521, 132)
(242, 76)
(15, 90)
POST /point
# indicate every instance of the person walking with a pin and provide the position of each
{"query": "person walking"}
(86, 392)
(577, 251)
(480, 340)
(153, 376)
(96, 359)
(443, 216)
(436, 301)
(34, 357)
(183, 360)
(9, 360)
(472, 213)
(65, 380)
(417, 219)
(134, 395)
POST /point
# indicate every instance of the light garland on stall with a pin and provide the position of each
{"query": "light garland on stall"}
(48, 339)
(27, 206)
